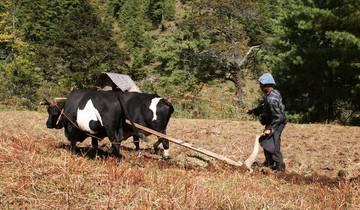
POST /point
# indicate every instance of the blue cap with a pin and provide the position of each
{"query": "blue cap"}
(267, 79)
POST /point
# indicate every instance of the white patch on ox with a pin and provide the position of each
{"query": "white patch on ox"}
(153, 106)
(87, 114)
(166, 153)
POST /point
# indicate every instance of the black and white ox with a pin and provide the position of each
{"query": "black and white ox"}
(102, 114)
(151, 111)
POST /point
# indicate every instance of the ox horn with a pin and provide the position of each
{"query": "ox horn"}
(44, 103)
(59, 100)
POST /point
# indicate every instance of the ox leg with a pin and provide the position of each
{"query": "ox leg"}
(137, 143)
(116, 143)
(156, 146)
(73, 147)
(95, 145)
(165, 144)
(115, 134)
(157, 143)
(73, 135)
(116, 150)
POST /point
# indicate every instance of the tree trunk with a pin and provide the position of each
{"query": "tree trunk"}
(239, 93)
(237, 76)
(238, 81)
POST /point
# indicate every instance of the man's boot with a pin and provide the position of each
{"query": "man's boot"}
(268, 164)
(280, 167)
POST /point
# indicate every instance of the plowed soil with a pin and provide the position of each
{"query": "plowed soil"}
(329, 150)
(37, 170)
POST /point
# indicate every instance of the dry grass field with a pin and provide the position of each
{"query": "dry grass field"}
(37, 170)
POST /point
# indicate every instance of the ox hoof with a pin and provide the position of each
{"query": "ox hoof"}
(249, 169)
(165, 157)
(156, 151)
(95, 154)
(138, 154)
(74, 153)
(118, 159)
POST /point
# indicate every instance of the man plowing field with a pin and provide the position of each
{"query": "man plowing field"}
(88, 117)
(272, 115)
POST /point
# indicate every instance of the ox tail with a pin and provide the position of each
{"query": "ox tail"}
(251, 159)
(169, 104)
(171, 110)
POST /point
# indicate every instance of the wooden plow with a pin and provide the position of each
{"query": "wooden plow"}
(125, 83)
(248, 162)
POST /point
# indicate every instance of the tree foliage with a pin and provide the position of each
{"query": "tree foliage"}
(177, 47)
(160, 10)
(18, 75)
(70, 35)
(213, 40)
(318, 58)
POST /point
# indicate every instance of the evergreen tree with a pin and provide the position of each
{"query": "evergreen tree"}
(317, 66)
(73, 46)
(59, 44)
(160, 10)
(136, 41)
(18, 76)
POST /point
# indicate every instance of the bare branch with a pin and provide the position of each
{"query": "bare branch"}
(240, 61)
(6, 40)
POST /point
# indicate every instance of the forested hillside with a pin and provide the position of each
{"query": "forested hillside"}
(188, 51)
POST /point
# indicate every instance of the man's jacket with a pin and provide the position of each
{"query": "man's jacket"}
(271, 111)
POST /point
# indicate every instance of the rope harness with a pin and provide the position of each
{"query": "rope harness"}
(58, 120)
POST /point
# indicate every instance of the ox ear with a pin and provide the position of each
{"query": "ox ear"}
(46, 101)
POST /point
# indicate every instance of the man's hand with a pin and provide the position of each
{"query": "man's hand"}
(257, 111)
(266, 132)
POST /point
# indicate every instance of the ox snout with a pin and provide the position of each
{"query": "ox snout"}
(49, 124)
